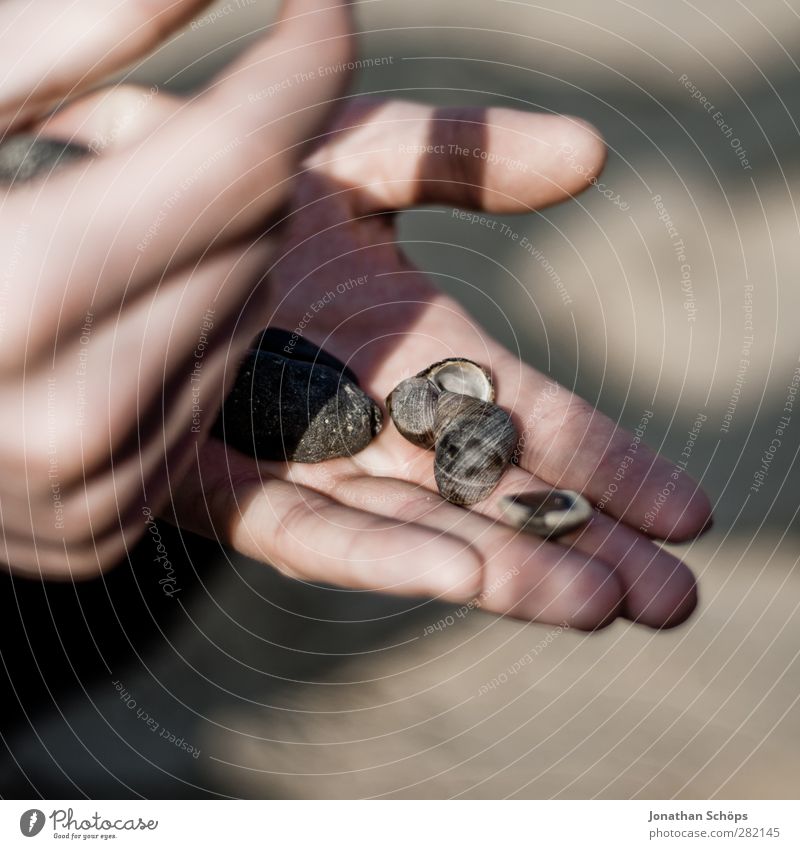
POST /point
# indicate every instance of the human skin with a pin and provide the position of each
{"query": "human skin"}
(371, 522)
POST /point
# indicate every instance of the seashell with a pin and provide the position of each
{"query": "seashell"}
(412, 407)
(449, 407)
(288, 408)
(26, 156)
(412, 404)
(549, 513)
(475, 441)
(461, 376)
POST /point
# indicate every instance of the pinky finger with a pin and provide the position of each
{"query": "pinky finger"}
(310, 536)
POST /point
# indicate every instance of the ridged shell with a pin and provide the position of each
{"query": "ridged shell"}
(412, 406)
(549, 513)
(475, 443)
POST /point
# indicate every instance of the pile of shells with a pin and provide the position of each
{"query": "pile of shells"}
(450, 408)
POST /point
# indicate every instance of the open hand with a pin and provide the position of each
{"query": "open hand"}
(374, 521)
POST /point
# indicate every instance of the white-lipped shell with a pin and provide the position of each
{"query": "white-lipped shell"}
(461, 376)
(549, 513)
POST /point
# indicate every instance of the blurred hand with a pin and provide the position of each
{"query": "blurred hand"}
(116, 269)
(124, 276)
(375, 521)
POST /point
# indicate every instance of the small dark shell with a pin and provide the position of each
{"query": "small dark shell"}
(26, 156)
(276, 340)
(474, 445)
(412, 406)
(284, 409)
(549, 513)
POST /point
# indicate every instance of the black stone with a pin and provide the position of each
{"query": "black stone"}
(285, 409)
(277, 340)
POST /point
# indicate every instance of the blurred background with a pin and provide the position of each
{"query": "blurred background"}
(670, 287)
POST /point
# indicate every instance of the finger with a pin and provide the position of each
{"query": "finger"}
(396, 154)
(120, 412)
(568, 443)
(308, 535)
(52, 50)
(522, 576)
(651, 586)
(657, 589)
(564, 440)
(104, 382)
(212, 173)
(111, 117)
(52, 561)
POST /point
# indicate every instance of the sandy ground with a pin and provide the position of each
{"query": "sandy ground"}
(394, 700)
(490, 708)
(282, 703)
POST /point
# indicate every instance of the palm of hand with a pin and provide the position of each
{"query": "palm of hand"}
(374, 521)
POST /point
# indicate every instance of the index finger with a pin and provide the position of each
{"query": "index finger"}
(396, 154)
(567, 442)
